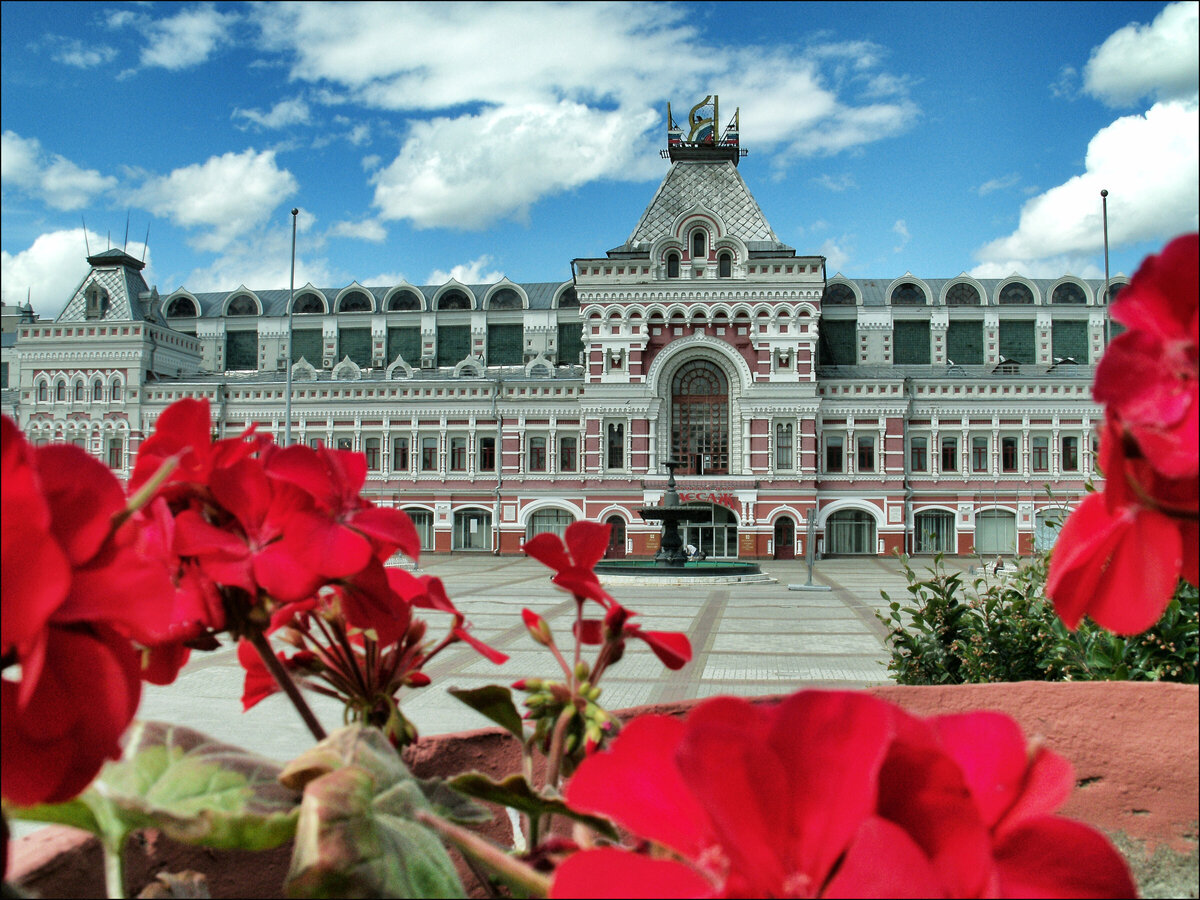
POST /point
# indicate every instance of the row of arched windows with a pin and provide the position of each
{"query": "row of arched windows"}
(724, 263)
(402, 300)
(964, 293)
(78, 392)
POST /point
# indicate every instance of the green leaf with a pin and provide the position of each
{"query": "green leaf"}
(356, 836)
(515, 792)
(191, 787)
(496, 703)
(450, 804)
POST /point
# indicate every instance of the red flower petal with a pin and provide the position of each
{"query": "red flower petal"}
(990, 751)
(608, 872)
(883, 861)
(83, 496)
(1053, 857)
(672, 648)
(587, 542)
(549, 550)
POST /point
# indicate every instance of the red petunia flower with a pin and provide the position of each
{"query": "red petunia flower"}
(833, 794)
(672, 648)
(574, 560)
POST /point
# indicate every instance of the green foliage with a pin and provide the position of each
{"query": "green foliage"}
(1003, 628)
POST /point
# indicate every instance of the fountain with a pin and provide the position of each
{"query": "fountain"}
(672, 561)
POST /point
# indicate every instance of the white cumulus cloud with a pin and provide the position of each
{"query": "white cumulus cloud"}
(366, 230)
(187, 38)
(1160, 60)
(230, 195)
(474, 272)
(1148, 164)
(51, 177)
(51, 268)
(282, 114)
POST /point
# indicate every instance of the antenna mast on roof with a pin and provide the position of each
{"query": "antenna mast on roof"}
(85, 240)
(146, 244)
(125, 245)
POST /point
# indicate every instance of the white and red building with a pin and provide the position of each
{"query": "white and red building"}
(926, 414)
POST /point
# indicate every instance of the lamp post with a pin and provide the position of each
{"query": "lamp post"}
(1104, 207)
(287, 407)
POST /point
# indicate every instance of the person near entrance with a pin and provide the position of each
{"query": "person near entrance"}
(695, 555)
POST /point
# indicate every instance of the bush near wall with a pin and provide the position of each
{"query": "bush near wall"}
(960, 629)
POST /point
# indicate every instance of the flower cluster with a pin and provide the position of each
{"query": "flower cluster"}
(834, 794)
(1121, 553)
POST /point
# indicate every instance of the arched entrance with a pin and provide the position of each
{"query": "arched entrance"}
(700, 419)
(472, 530)
(552, 521)
(996, 533)
(850, 532)
(616, 538)
(1046, 525)
(785, 538)
(934, 532)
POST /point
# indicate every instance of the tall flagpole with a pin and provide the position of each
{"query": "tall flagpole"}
(287, 409)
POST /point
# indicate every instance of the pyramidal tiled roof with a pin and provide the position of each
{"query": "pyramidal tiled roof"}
(714, 185)
(124, 286)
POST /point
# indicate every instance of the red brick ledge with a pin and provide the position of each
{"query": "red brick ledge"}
(1134, 746)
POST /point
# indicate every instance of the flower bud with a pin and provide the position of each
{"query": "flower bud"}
(531, 685)
(582, 670)
(538, 629)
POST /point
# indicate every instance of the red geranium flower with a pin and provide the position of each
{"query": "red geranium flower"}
(833, 794)
(574, 560)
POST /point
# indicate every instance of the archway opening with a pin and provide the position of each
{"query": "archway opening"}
(996, 532)
(717, 537)
(785, 538)
(850, 532)
(700, 419)
(616, 538)
(934, 532)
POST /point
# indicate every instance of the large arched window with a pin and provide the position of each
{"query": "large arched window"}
(839, 295)
(962, 294)
(242, 306)
(356, 301)
(548, 521)
(1015, 293)
(309, 304)
(850, 531)
(700, 419)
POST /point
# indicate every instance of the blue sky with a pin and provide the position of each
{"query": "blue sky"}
(474, 140)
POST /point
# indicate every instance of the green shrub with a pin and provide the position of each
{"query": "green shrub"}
(955, 631)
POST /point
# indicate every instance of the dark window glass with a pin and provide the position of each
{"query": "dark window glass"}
(97, 390)
(700, 419)
(866, 454)
(836, 344)
(833, 454)
(1018, 341)
(1008, 454)
(487, 454)
(918, 454)
(979, 454)
(243, 306)
(458, 454)
(116, 390)
(1114, 290)
(404, 301)
(505, 298)
(672, 265)
(1070, 454)
(962, 294)
(784, 447)
(181, 307)
(306, 345)
(406, 343)
(568, 454)
(429, 454)
(60, 391)
(570, 343)
(1069, 340)
(964, 343)
(79, 391)
(371, 451)
(908, 294)
(116, 453)
(43, 392)
(615, 456)
(949, 454)
(355, 343)
(1041, 454)
(241, 351)
(308, 305)
(839, 295)
(454, 299)
(453, 344)
(1015, 293)
(1068, 292)
(537, 454)
(698, 251)
(568, 298)
(506, 344)
(400, 454)
(910, 343)
(725, 265)
(355, 301)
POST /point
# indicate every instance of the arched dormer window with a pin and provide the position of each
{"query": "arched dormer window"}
(839, 295)
(308, 304)
(505, 298)
(1068, 292)
(182, 308)
(962, 294)
(355, 301)
(97, 302)
(568, 299)
(1015, 293)
(454, 299)
(97, 390)
(242, 305)
(908, 294)
(699, 250)
(672, 265)
(725, 265)
(404, 301)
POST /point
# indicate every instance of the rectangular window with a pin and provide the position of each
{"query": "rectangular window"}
(866, 454)
(458, 454)
(400, 454)
(1070, 454)
(568, 454)
(918, 454)
(116, 453)
(570, 343)
(1041, 454)
(241, 351)
(837, 343)
(616, 446)
(487, 454)
(910, 343)
(979, 454)
(315, 443)
(964, 342)
(833, 454)
(505, 345)
(949, 454)
(537, 454)
(356, 344)
(1008, 454)
(1018, 341)
(784, 448)
(371, 449)
(306, 345)
(344, 443)
(453, 344)
(429, 454)
(406, 343)
(1069, 340)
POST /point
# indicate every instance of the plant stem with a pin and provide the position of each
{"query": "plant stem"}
(515, 873)
(285, 682)
(114, 870)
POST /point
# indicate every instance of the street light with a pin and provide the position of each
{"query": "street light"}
(287, 408)
(1104, 205)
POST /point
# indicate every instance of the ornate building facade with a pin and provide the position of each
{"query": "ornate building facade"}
(925, 414)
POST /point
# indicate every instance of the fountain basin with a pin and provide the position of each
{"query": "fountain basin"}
(648, 571)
